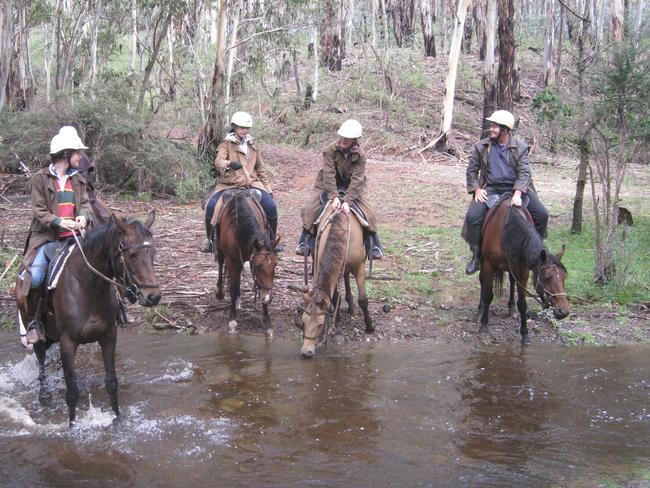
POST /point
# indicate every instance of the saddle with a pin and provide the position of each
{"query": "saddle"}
(227, 196)
(354, 208)
(58, 254)
(493, 203)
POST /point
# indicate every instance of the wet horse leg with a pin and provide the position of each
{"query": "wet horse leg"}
(486, 277)
(220, 259)
(521, 305)
(268, 323)
(40, 349)
(360, 277)
(68, 353)
(511, 299)
(234, 275)
(107, 344)
(348, 294)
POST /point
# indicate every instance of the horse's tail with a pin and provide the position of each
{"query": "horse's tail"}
(498, 283)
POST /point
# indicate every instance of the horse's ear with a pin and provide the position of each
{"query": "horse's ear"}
(543, 256)
(120, 222)
(321, 299)
(275, 241)
(561, 253)
(150, 219)
(259, 245)
(306, 296)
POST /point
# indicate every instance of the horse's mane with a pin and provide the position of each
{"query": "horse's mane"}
(247, 228)
(334, 250)
(109, 235)
(521, 242)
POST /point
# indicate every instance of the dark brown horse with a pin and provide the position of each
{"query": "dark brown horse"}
(512, 245)
(242, 236)
(83, 308)
(339, 251)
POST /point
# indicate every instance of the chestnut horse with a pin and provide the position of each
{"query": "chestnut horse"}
(83, 308)
(339, 251)
(242, 236)
(511, 244)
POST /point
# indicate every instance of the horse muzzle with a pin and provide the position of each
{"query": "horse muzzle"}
(149, 299)
(560, 313)
(307, 351)
(267, 297)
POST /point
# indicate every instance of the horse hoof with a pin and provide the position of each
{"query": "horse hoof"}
(219, 295)
(370, 329)
(232, 326)
(45, 400)
(483, 329)
(339, 340)
(525, 341)
(269, 334)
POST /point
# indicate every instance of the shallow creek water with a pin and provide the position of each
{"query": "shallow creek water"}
(236, 410)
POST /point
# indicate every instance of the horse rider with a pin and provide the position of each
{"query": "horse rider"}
(240, 165)
(343, 179)
(60, 206)
(499, 164)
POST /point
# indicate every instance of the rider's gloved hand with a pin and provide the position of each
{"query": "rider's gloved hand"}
(345, 208)
(336, 203)
(234, 165)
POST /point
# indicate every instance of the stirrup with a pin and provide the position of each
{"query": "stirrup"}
(208, 247)
(377, 253)
(34, 333)
(302, 249)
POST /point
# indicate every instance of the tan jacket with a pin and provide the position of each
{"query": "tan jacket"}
(44, 226)
(252, 174)
(340, 173)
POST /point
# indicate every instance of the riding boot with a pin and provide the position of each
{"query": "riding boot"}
(475, 262)
(273, 224)
(207, 244)
(377, 251)
(35, 331)
(303, 248)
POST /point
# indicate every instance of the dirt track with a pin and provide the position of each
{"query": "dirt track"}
(412, 198)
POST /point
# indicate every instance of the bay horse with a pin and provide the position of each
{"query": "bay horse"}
(339, 251)
(242, 236)
(511, 244)
(83, 308)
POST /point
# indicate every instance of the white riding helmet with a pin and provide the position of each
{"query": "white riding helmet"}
(242, 119)
(502, 117)
(350, 129)
(67, 138)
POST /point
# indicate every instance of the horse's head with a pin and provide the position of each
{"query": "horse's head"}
(136, 254)
(312, 320)
(263, 262)
(549, 279)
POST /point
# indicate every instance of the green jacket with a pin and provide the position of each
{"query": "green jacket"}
(340, 173)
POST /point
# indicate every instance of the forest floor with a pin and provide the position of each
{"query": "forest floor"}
(421, 207)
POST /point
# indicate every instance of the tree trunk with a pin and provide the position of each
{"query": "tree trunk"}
(489, 65)
(213, 129)
(549, 43)
(330, 40)
(479, 14)
(157, 42)
(314, 40)
(384, 18)
(452, 68)
(618, 21)
(506, 54)
(466, 45)
(231, 49)
(428, 18)
(444, 13)
(134, 35)
(558, 65)
(296, 76)
(373, 24)
(576, 221)
(93, 48)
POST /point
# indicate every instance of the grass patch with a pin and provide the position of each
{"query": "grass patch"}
(578, 338)
(632, 263)
(9, 277)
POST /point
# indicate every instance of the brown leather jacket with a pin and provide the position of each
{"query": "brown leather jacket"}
(343, 173)
(44, 226)
(252, 173)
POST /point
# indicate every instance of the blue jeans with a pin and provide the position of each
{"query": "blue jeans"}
(39, 267)
(268, 204)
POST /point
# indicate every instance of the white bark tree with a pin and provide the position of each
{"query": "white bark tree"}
(549, 43)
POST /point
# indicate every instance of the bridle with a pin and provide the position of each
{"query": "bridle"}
(546, 298)
(126, 281)
(256, 283)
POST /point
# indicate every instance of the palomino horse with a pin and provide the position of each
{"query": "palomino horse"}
(339, 251)
(511, 244)
(242, 237)
(83, 308)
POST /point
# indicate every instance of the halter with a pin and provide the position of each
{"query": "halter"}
(127, 281)
(256, 284)
(543, 301)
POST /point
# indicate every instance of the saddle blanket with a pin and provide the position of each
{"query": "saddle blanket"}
(57, 263)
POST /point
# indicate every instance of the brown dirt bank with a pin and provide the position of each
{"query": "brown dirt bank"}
(428, 294)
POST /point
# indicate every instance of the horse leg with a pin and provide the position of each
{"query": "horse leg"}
(486, 277)
(220, 259)
(360, 277)
(107, 344)
(68, 353)
(235, 290)
(511, 299)
(348, 294)
(44, 394)
(267, 321)
(521, 305)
